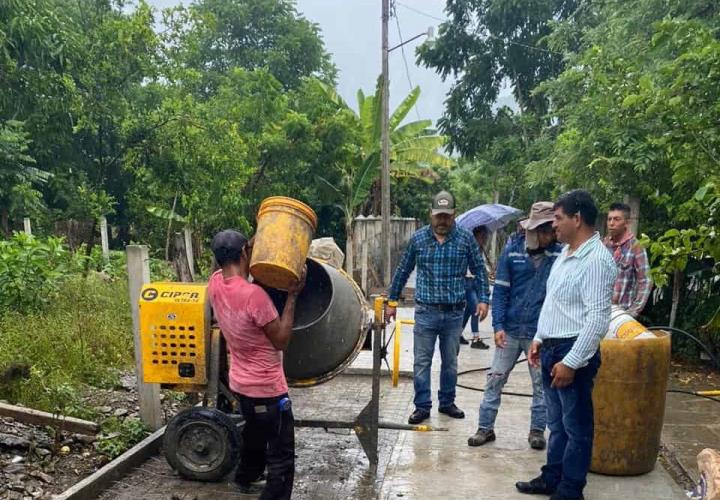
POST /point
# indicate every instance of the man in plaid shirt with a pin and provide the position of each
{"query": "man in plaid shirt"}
(633, 284)
(442, 253)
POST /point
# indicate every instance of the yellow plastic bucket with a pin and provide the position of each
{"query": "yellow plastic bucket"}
(629, 404)
(624, 326)
(285, 229)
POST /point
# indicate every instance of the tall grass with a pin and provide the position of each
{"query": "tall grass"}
(82, 336)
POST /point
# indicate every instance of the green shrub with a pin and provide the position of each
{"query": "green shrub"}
(31, 271)
(124, 434)
(83, 336)
(114, 268)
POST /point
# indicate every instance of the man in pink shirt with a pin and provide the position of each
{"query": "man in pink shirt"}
(256, 338)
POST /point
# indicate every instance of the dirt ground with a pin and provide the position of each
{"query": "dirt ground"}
(33, 464)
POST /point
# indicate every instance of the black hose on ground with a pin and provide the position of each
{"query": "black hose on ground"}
(651, 328)
(691, 337)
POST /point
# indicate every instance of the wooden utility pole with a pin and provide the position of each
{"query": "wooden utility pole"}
(385, 148)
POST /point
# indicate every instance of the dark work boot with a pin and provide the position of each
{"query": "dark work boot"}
(479, 344)
(418, 416)
(481, 437)
(535, 486)
(452, 411)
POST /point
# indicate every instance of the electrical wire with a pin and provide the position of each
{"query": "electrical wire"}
(486, 368)
(402, 51)
(693, 338)
(651, 328)
(477, 30)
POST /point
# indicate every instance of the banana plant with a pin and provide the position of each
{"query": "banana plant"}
(415, 151)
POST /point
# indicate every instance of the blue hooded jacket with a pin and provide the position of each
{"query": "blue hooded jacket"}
(519, 289)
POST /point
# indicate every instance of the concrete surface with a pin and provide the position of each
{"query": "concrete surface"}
(691, 425)
(413, 465)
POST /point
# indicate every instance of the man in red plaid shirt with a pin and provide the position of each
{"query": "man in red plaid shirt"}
(633, 284)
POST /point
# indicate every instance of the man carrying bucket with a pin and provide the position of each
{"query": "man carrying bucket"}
(573, 320)
(633, 284)
(256, 337)
(442, 253)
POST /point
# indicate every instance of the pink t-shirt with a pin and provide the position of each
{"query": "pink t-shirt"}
(242, 309)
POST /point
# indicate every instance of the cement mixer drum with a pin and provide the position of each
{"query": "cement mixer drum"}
(332, 319)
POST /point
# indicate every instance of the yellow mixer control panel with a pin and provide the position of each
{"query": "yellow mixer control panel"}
(174, 333)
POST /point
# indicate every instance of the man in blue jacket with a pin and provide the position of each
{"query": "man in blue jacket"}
(518, 296)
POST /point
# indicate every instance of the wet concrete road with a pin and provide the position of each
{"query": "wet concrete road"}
(329, 465)
(332, 465)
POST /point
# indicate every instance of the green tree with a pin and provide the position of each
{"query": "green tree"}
(215, 36)
(484, 45)
(414, 153)
(640, 122)
(18, 175)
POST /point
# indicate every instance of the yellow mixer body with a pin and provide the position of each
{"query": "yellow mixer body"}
(175, 333)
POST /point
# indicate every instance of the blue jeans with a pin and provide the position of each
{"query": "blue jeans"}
(503, 363)
(570, 420)
(472, 301)
(432, 324)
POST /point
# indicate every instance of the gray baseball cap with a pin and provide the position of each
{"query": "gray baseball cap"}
(443, 203)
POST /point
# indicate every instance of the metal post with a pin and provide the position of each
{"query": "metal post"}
(493, 238)
(364, 268)
(385, 147)
(138, 264)
(104, 238)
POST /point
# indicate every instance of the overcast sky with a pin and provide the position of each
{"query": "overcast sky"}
(351, 31)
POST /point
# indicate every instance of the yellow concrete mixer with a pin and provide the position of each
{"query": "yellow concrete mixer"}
(181, 350)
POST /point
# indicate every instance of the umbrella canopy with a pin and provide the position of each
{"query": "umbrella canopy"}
(492, 215)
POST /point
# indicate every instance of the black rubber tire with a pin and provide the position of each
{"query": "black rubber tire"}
(201, 427)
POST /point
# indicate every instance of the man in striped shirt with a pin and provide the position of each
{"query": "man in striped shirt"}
(633, 284)
(574, 318)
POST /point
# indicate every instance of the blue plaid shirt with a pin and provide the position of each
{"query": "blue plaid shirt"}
(441, 268)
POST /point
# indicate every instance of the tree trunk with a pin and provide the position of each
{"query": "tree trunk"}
(634, 203)
(373, 204)
(180, 262)
(167, 239)
(5, 221)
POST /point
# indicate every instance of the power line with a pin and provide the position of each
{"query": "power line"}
(402, 50)
(421, 12)
(477, 30)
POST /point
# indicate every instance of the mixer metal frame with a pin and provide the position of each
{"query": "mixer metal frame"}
(367, 423)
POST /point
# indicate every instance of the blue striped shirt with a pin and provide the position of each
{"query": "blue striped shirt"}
(578, 300)
(441, 268)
